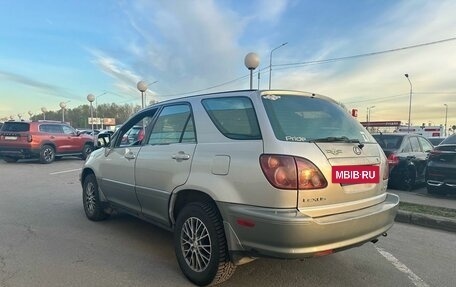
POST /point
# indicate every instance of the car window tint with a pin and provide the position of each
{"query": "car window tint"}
(234, 117)
(449, 140)
(69, 131)
(170, 125)
(406, 147)
(15, 127)
(415, 144)
(50, 128)
(425, 144)
(302, 118)
(133, 132)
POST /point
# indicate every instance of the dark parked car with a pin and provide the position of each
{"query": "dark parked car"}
(407, 158)
(436, 141)
(441, 167)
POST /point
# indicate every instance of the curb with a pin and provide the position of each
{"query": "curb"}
(426, 220)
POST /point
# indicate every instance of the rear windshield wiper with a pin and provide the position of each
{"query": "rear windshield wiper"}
(339, 139)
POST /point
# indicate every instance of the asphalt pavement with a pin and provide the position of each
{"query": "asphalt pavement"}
(421, 197)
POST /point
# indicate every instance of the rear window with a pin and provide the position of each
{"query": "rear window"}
(302, 118)
(449, 140)
(15, 127)
(389, 141)
(234, 117)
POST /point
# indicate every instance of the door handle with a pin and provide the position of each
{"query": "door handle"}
(129, 154)
(181, 156)
(52, 137)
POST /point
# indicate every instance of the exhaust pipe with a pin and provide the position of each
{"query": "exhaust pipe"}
(384, 234)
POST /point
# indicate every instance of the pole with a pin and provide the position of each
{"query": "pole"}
(142, 100)
(410, 103)
(91, 119)
(63, 115)
(251, 79)
(446, 118)
(270, 62)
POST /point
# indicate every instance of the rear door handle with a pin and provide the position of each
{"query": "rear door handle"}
(181, 156)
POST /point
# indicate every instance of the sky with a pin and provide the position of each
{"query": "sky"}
(61, 51)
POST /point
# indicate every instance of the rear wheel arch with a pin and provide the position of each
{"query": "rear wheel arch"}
(184, 197)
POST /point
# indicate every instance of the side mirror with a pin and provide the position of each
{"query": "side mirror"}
(103, 140)
(78, 133)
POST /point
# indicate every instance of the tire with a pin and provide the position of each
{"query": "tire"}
(86, 150)
(408, 179)
(93, 207)
(10, 159)
(47, 154)
(207, 263)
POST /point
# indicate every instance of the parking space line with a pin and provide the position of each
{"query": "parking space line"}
(65, 171)
(416, 280)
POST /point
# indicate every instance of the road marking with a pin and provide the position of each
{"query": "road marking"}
(416, 280)
(65, 171)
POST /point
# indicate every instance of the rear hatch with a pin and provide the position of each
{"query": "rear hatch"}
(14, 134)
(322, 132)
(443, 159)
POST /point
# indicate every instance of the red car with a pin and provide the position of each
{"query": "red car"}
(45, 140)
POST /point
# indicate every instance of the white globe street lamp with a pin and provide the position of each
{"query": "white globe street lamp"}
(91, 98)
(251, 61)
(142, 87)
(44, 110)
(30, 114)
(62, 106)
(19, 115)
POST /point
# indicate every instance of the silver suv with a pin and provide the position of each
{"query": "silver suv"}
(245, 174)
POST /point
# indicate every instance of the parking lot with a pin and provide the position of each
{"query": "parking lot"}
(46, 240)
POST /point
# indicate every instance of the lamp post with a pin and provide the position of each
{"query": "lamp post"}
(96, 107)
(62, 106)
(270, 62)
(446, 118)
(142, 87)
(30, 115)
(44, 110)
(91, 98)
(251, 61)
(368, 115)
(410, 102)
(19, 115)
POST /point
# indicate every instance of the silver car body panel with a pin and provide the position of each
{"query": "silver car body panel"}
(287, 223)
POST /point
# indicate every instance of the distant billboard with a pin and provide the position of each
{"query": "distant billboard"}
(382, 124)
(104, 121)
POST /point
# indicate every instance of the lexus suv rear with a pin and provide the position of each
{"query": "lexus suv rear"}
(45, 140)
(245, 174)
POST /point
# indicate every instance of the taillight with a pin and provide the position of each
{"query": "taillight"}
(393, 159)
(287, 172)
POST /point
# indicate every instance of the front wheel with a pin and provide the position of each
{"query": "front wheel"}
(47, 154)
(200, 245)
(93, 207)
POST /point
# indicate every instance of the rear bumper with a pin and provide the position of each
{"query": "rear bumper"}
(19, 152)
(291, 234)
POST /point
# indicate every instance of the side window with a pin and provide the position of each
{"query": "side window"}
(407, 147)
(44, 128)
(173, 125)
(234, 117)
(425, 145)
(415, 144)
(53, 129)
(68, 130)
(132, 133)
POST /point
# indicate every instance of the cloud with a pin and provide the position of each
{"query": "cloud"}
(37, 86)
